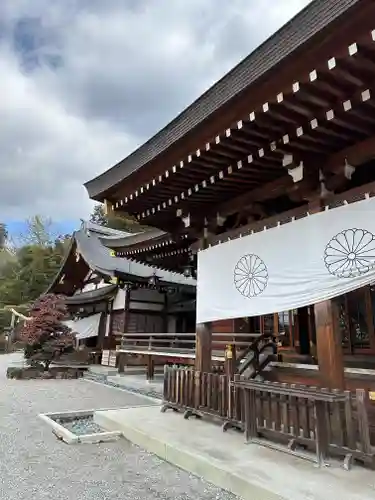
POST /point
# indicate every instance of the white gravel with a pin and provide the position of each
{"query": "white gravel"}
(34, 465)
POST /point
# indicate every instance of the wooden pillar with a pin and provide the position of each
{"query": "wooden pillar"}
(230, 361)
(203, 335)
(329, 348)
(312, 333)
(126, 308)
(102, 329)
(123, 357)
(203, 347)
(328, 336)
(150, 368)
(303, 330)
(165, 313)
(122, 362)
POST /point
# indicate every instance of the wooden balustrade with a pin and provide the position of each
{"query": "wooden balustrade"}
(191, 390)
(173, 343)
(331, 423)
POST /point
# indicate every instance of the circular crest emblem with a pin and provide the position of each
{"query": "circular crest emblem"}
(250, 276)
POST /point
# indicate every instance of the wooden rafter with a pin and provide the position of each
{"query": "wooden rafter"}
(286, 103)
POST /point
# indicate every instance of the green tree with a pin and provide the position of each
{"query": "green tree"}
(123, 222)
(98, 215)
(3, 235)
(28, 273)
(38, 231)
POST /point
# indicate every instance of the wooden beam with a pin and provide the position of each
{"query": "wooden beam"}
(267, 191)
(203, 348)
(355, 155)
(278, 187)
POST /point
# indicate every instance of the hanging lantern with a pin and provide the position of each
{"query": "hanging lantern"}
(153, 280)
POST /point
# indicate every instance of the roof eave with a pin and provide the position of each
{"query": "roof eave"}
(316, 18)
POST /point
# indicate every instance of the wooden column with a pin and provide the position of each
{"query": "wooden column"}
(203, 336)
(203, 347)
(303, 330)
(329, 348)
(150, 367)
(109, 342)
(165, 313)
(102, 328)
(230, 361)
(328, 336)
(122, 357)
(126, 308)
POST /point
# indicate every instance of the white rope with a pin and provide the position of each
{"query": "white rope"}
(20, 315)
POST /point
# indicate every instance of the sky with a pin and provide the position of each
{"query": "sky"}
(84, 82)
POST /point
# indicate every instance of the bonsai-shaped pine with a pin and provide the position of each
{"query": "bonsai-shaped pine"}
(46, 337)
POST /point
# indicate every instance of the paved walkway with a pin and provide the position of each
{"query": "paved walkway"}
(35, 465)
(252, 471)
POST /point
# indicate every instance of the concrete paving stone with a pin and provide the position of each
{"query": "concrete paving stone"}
(252, 471)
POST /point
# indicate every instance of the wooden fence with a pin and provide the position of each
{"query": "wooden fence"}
(331, 423)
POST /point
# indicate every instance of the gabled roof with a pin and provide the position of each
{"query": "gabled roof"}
(99, 259)
(304, 28)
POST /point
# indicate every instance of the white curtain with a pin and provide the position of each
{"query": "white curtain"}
(294, 265)
(85, 327)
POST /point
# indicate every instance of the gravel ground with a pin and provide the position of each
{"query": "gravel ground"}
(35, 465)
(108, 381)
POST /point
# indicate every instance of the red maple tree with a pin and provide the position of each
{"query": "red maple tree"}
(46, 337)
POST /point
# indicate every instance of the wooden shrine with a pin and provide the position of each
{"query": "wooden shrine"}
(287, 133)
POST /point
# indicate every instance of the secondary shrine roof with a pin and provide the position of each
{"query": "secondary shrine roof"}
(87, 252)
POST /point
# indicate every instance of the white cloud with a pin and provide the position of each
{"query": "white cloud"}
(83, 82)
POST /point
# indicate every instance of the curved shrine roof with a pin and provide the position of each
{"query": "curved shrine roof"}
(98, 258)
(300, 30)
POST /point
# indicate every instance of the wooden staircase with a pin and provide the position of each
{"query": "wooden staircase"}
(255, 358)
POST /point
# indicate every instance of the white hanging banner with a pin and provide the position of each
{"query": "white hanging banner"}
(85, 328)
(294, 265)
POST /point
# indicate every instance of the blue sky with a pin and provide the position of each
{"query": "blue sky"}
(84, 82)
(17, 228)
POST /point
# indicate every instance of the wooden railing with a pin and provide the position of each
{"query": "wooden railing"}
(159, 342)
(331, 423)
(177, 343)
(251, 357)
(309, 417)
(195, 392)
